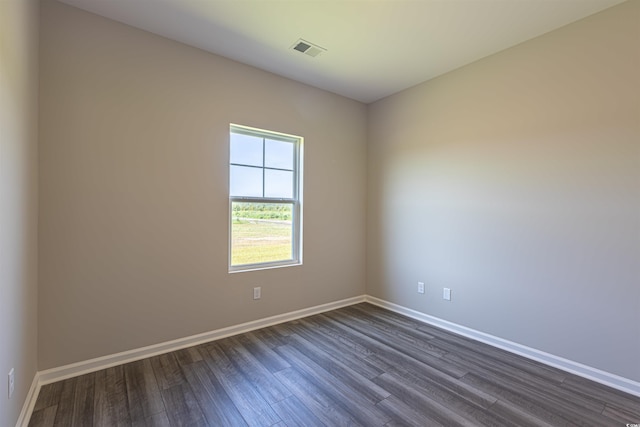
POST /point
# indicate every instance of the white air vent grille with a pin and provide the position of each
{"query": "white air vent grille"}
(308, 48)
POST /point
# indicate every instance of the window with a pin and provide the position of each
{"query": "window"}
(265, 189)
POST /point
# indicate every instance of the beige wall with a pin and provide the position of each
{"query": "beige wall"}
(515, 181)
(18, 200)
(134, 200)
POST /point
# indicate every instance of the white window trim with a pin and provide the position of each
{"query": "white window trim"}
(295, 201)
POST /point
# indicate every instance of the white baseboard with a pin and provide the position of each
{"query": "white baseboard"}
(29, 402)
(594, 374)
(80, 368)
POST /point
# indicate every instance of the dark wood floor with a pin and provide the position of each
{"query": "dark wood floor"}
(359, 365)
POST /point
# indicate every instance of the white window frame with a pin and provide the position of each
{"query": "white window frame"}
(295, 201)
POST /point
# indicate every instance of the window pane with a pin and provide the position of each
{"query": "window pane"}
(246, 150)
(245, 181)
(278, 184)
(261, 232)
(278, 154)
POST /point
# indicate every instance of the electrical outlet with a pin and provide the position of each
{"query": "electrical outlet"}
(421, 287)
(12, 383)
(446, 294)
(257, 292)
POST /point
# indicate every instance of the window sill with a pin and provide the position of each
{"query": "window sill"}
(256, 267)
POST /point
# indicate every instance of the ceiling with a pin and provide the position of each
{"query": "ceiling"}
(374, 48)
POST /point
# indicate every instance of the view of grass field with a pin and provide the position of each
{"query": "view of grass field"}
(256, 241)
(260, 233)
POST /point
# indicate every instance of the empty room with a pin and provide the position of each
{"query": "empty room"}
(319, 212)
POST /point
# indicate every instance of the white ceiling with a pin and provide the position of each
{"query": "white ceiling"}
(374, 47)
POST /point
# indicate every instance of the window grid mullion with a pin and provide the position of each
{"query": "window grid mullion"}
(264, 175)
(260, 167)
(271, 200)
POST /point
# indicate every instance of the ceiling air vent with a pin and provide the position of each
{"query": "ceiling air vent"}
(308, 48)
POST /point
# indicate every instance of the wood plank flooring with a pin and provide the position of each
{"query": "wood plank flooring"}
(356, 366)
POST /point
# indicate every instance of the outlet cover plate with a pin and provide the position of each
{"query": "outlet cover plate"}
(421, 287)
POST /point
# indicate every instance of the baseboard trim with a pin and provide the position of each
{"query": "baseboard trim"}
(80, 368)
(588, 372)
(29, 402)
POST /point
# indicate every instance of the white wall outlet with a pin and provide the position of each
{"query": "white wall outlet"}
(421, 287)
(257, 292)
(446, 294)
(12, 383)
